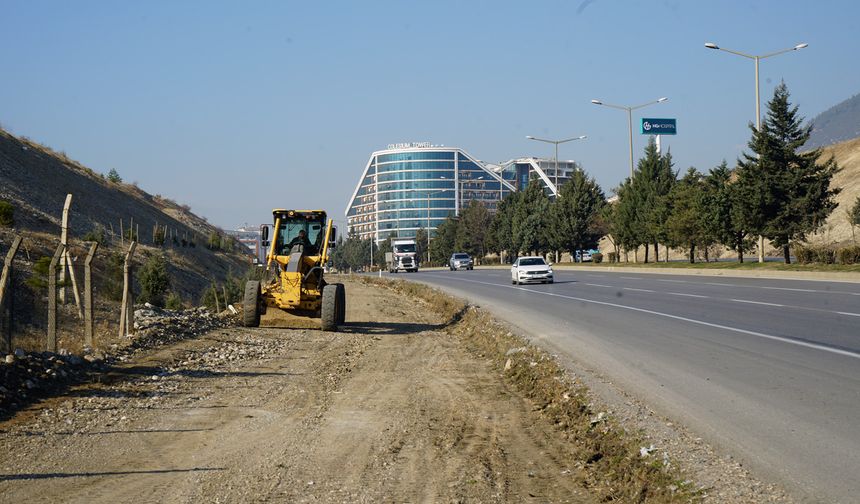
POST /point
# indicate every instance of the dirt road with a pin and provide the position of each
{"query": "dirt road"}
(392, 409)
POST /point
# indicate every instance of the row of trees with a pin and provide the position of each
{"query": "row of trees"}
(775, 191)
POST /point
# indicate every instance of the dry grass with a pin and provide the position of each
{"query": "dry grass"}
(607, 452)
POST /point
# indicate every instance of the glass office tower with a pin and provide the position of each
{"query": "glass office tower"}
(408, 187)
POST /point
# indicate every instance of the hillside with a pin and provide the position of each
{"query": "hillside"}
(836, 124)
(36, 179)
(837, 229)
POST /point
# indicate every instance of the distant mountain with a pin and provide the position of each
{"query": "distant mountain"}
(836, 124)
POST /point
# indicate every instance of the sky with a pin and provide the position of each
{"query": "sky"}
(235, 108)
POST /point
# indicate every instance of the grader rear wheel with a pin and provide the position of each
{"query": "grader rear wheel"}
(251, 304)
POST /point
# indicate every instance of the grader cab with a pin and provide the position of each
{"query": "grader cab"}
(298, 251)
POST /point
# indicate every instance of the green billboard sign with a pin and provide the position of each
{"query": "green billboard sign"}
(655, 126)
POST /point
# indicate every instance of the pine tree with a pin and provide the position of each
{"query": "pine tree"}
(501, 226)
(722, 213)
(576, 222)
(472, 230)
(786, 194)
(421, 244)
(684, 226)
(113, 176)
(530, 220)
(625, 221)
(442, 243)
(649, 189)
(854, 218)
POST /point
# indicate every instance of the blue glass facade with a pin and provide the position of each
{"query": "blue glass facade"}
(402, 191)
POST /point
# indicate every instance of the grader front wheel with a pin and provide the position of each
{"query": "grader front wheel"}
(251, 304)
(329, 310)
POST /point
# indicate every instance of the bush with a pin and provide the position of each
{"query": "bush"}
(214, 242)
(173, 302)
(808, 255)
(7, 214)
(113, 176)
(154, 280)
(158, 236)
(114, 274)
(97, 234)
(39, 279)
(803, 255)
(611, 257)
(848, 255)
(824, 255)
(597, 257)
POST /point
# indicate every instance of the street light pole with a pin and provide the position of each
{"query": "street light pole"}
(556, 142)
(629, 120)
(756, 59)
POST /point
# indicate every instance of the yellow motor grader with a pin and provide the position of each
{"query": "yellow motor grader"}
(295, 261)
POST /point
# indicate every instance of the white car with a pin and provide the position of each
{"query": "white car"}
(531, 269)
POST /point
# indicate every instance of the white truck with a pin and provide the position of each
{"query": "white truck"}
(403, 256)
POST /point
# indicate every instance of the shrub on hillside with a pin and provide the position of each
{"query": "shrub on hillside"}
(214, 242)
(39, 279)
(154, 280)
(96, 234)
(113, 176)
(158, 236)
(113, 270)
(848, 255)
(7, 214)
(173, 302)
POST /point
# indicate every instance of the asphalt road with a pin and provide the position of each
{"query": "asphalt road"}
(767, 369)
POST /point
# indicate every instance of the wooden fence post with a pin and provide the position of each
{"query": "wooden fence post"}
(126, 316)
(88, 296)
(52, 299)
(6, 292)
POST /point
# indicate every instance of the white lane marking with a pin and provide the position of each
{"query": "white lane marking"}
(792, 289)
(631, 278)
(814, 346)
(672, 281)
(848, 313)
(596, 276)
(638, 290)
(687, 295)
(600, 285)
(755, 302)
